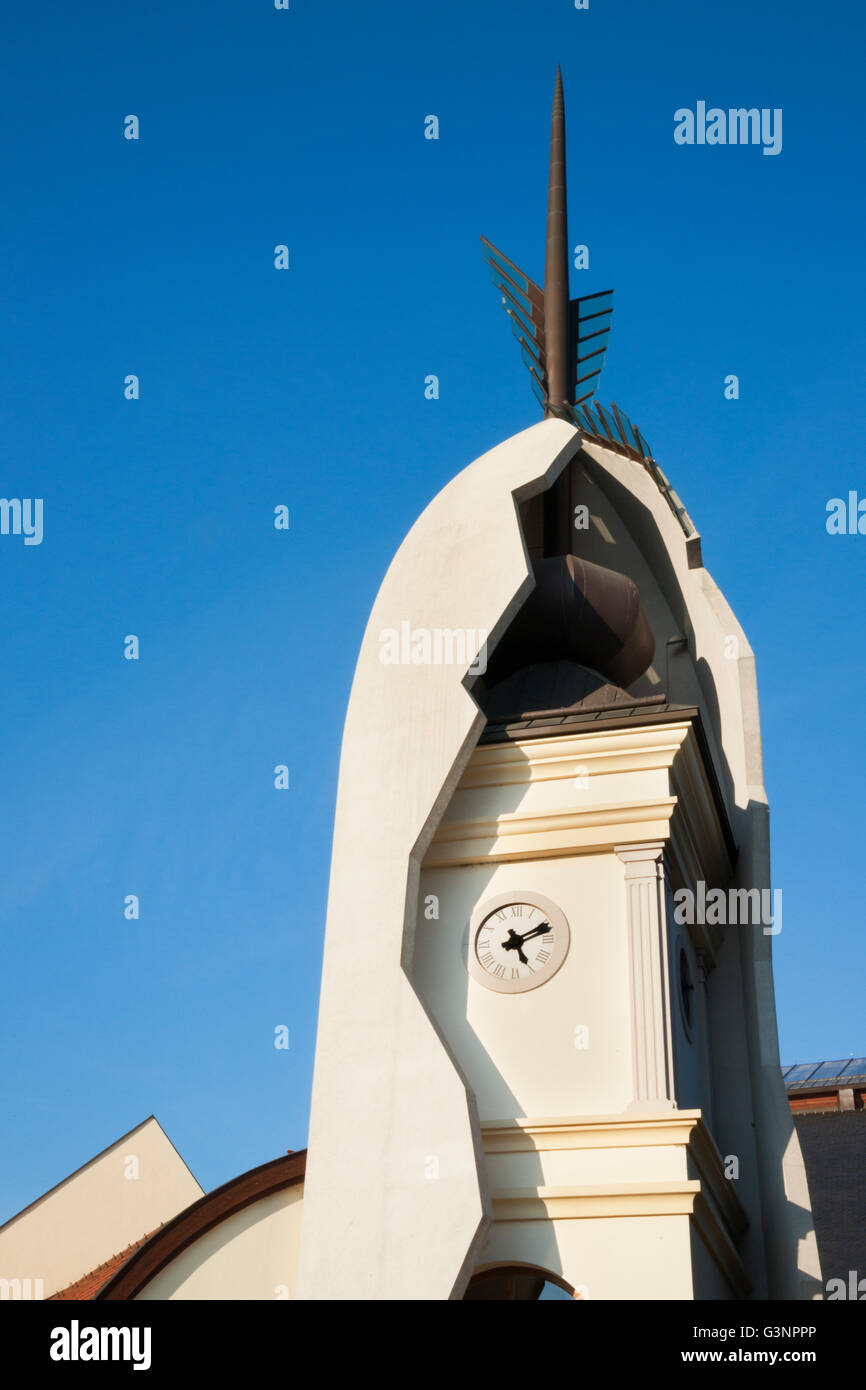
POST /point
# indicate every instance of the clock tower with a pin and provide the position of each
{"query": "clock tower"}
(547, 1060)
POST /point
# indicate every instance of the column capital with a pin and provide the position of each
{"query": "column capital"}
(642, 861)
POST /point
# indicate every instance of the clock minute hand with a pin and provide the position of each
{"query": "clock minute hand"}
(536, 931)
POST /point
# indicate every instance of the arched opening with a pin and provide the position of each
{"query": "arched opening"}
(520, 1282)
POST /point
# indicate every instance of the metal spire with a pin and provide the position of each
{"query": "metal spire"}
(563, 343)
(562, 340)
(556, 262)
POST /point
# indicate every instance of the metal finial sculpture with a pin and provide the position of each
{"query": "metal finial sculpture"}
(562, 340)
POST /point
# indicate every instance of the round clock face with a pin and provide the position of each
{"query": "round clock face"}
(517, 941)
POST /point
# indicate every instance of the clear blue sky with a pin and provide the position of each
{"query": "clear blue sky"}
(305, 387)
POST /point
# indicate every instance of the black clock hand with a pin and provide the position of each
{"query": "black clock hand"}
(517, 941)
(537, 931)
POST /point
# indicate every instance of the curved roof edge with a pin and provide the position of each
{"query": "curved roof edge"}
(192, 1223)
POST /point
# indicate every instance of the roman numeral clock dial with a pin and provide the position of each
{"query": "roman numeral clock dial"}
(517, 941)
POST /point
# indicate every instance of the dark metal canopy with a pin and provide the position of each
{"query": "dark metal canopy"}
(577, 612)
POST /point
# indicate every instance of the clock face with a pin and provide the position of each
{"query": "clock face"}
(517, 941)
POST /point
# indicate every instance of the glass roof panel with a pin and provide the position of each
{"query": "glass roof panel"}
(800, 1072)
(825, 1070)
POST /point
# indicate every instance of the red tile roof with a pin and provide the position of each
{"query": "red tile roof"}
(89, 1285)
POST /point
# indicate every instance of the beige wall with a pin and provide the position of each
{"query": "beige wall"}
(251, 1255)
(124, 1193)
(518, 1051)
(632, 1257)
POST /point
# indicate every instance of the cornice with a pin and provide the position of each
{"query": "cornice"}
(596, 1200)
(539, 760)
(546, 833)
(604, 1201)
(710, 1199)
(590, 1132)
(690, 819)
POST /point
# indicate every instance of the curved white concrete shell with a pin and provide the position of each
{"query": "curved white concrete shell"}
(404, 1195)
(386, 1095)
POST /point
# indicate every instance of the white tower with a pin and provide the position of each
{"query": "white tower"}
(547, 1041)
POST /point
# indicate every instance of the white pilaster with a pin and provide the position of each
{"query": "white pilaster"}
(652, 1051)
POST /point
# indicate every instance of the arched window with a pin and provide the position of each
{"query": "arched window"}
(504, 1282)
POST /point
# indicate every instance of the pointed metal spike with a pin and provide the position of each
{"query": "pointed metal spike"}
(556, 259)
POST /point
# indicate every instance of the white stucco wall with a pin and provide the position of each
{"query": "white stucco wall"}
(251, 1255)
(386, 1092)
(518, 1052)
(629, 1258)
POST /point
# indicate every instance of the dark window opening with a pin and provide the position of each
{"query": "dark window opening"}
(520, 1282)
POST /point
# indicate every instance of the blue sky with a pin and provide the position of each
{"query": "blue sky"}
(306, 388)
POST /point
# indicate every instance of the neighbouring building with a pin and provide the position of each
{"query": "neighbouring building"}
(828, 1102)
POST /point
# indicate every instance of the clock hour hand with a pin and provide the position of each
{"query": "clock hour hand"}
(515, 943)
